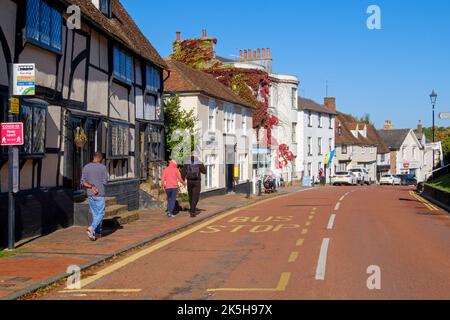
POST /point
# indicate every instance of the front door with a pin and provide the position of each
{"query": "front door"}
(230, 161)
(78, 156)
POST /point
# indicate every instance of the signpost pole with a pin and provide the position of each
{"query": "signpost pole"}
(11, 202)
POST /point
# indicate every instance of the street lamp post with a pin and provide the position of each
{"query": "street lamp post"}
(433, 98)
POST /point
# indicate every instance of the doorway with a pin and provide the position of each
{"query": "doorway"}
(230, 162)
(77, 157)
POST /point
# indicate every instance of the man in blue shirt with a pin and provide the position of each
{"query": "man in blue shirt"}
(94, 178)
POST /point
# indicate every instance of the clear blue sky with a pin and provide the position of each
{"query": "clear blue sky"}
(387, 73)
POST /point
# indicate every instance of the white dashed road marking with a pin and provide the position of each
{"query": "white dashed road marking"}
(331, 222)
(322, 263)
(338, 205)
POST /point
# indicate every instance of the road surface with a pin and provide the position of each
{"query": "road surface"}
(327, 243)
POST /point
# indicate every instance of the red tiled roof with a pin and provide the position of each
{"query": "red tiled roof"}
(184, 79)
(120, 27)
(349, 123)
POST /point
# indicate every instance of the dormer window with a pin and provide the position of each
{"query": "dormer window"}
(105, 7)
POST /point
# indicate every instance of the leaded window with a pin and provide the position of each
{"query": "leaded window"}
(153, 79)
(34, 128)
(120, 140)
(44, 25)
(123, 65)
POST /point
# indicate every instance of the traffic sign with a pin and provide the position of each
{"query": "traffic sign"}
(14, 105)
(11, 134)
(444, 115)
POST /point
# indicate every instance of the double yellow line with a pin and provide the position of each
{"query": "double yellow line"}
(426, 203)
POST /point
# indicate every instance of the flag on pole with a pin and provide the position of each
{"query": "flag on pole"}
(329, 158)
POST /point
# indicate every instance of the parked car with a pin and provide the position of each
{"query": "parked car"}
(362, 176)
(344, 178)
(390, 179)
(408, 179)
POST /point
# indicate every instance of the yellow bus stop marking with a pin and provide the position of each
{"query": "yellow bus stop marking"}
(282, 285)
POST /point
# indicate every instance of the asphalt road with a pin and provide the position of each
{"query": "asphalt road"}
(331, 243)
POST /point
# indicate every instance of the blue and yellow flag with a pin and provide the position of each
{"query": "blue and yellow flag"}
(329, 158)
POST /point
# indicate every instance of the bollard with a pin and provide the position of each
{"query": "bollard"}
(248, 189)
(259, 188)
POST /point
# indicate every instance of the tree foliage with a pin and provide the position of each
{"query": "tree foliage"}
(443, 135)
(179, 123)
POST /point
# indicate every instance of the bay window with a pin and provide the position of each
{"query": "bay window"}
(44, 25)
(33, 117)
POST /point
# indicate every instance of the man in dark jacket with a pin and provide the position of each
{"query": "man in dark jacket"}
(192, 170)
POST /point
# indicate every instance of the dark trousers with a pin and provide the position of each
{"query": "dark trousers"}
(194, 188)
(171, 199)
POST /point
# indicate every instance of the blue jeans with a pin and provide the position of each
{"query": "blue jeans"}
(97, 206)
(171, 199)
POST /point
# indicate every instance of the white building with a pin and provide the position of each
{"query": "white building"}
(224, 125)
(283, 104)
(406, 152)
(316, 136)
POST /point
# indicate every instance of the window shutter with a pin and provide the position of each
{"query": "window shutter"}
(45, 23)
(56, 30)
(33, 19)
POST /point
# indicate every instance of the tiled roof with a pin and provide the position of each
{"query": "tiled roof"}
(120, 27)
(394, 138)
(349, 123)
(311, 105)
(184, 79)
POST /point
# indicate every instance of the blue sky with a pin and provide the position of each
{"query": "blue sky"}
(387, 73)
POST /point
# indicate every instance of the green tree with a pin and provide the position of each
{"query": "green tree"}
(366, 119)
(181, 135)
(441, 134)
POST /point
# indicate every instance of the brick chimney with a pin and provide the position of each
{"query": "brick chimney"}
(388, 125)
(330, 103)
(420, 127)
(178, 35)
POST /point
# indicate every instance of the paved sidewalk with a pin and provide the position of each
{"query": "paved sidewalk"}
(45, 260)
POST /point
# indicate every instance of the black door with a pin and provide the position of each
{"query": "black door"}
(230, 157)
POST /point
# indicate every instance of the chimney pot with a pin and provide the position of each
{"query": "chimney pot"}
(259, 53)
(240, 54)
(178, 35)
(245, 54)
(268, 52)
(420, 127)
(254, 54)
(204, 33)
(263, 53)
(388, 125)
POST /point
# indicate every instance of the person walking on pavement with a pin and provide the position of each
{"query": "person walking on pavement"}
(94, 178)
(192, 171)
(169, 181)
